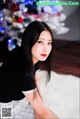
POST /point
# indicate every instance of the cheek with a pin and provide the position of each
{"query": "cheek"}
(36, 49)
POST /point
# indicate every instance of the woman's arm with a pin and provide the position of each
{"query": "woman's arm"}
(38, 116)
(38, 106)
(35, 99)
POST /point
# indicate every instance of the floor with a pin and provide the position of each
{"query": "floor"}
(66, 58)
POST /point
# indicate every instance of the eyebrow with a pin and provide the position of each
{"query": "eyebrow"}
(44, 39)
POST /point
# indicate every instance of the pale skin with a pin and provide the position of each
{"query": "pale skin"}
(42, 46)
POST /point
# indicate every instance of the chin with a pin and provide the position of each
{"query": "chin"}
(42, 59)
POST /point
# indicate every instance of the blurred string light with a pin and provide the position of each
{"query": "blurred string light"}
(2, 30)
(30, 2)
(26, 2)
(1, 17)
(11, 44)
(22, 2)
(1, 22)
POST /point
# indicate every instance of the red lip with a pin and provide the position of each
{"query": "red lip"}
(44, 55)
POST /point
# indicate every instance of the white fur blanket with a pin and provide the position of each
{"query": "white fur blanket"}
(61, 94)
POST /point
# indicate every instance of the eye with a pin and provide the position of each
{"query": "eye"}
(50, 43)
(39, 42)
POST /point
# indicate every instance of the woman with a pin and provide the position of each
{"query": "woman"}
(18, 77)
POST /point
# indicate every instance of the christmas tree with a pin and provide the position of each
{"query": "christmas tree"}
(15, 15)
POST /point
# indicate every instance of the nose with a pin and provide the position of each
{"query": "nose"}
(45, 48)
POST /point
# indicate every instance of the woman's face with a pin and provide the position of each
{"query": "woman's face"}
(42, 48)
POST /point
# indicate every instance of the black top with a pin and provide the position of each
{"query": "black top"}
(13, 80)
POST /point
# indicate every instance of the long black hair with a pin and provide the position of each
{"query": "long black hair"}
(29, 38)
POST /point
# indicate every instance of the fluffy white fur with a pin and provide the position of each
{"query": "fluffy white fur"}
(61, 94)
